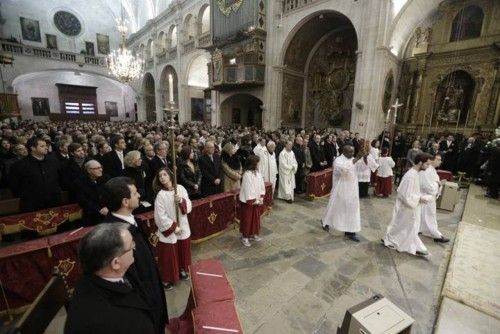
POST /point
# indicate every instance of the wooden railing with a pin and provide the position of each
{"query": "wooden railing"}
(39, 52)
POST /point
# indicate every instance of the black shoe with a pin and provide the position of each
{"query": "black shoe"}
(184, 276)
(352, 236)
(325, 228)
(289, 201)
(419, 233)
(441, 240)
(419, 253)
(168, 286)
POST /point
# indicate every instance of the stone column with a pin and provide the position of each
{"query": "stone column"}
(215, 112)
(493, 106)
(184, 103)
(158, 103)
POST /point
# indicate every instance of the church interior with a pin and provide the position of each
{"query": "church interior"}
(422, 69)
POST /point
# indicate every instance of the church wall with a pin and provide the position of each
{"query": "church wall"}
(43, 84)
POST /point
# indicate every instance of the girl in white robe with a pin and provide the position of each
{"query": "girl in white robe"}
(174, 247)
(364, 168)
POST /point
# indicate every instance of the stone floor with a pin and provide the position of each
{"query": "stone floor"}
(300, 279)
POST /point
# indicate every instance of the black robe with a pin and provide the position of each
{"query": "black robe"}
(144, 274)
(101, 307)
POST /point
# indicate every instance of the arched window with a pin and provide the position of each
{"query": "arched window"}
(467, 24)
(161, 41)
(189, 27)
(205, 20)
(173, 37)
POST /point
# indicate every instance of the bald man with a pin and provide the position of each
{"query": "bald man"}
(88, 193)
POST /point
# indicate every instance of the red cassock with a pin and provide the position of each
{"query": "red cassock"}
(384, 186)
(250, 219)
(168, 262)
(184, 254)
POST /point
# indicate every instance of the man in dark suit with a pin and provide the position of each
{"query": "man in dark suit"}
(122, 199)
(449, 148)
(74, 168)
(35, 179)
(104, 301)
(300, 156)
(88, 193)
(211, 171)
(160, 159)
(113, 162)
(317, 154)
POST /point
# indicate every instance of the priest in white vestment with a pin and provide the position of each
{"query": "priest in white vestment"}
(287, 169)
(267, 165)
(430, 184)
(342, 211)
(402, 232)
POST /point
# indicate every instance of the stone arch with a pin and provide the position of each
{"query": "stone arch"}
(148, 88)
(162, 41)
(165, 87)
(204, 19)
(241, 108)
(189, 27)
(319, 69)
(387, 94)
(172, 37)
(197, 74)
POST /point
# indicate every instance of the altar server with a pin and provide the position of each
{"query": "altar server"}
(431, 185)
(267, 164)
(384, 174)
(342, 211)
(287, 169)
(365, 166)
(402, 232)
(251, 196)
(174, 245)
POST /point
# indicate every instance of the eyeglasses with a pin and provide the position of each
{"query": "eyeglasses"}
(132, 248)
(100, 167)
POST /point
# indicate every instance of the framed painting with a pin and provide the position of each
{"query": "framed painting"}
(102, 44)
(40, 106)
(30, 29)
(89, 49)
(51, 41)
(111, 108)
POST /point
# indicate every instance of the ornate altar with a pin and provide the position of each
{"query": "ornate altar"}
(450, 79)
(238, 45)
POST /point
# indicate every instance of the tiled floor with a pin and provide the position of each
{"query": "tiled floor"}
(300, 279)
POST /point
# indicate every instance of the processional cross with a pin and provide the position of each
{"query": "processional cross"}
(396, 105)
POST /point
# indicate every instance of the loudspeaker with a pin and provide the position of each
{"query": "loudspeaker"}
(376, 315)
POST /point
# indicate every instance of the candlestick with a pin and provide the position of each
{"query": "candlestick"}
(170, 88)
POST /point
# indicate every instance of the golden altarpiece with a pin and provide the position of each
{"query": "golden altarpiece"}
(450, 78)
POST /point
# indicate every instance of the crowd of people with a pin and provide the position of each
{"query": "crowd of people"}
(115, 170)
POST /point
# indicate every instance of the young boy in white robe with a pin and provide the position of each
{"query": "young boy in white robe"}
(431, 185)
(402, 232)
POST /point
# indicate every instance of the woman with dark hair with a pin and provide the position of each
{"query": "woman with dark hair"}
(189, 173)
(251, 197)
(174, 247)
(231, 166)
(245, 149)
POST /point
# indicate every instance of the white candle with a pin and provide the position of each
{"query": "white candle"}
(170, 88)
(388, 113)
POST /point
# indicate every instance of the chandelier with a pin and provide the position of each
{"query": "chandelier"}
(123, 64)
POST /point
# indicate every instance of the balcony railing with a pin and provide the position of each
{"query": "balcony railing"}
(291, 5)
(188, 46)
(205, 40)
(39, 52)
(149, 63)
(172, 53)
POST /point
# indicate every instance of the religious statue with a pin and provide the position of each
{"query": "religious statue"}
(452, 104)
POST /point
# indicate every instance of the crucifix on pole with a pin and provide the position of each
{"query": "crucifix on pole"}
(396, 106)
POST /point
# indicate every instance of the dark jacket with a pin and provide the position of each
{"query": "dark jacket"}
(112, 164)
(139, 177)
(156, 163)
(189, 179)
(89, 195)
(330, 153)
(143, 274)
(69, 173)
(300, 156)
(99, 306)
(317, 156)
(36, 183)
(210, 171)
